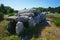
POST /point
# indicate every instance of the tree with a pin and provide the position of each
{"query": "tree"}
(3, 9)
(52, 10)
(57, 9)
(40, 8)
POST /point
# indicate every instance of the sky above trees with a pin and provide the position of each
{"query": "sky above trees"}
(21, 4)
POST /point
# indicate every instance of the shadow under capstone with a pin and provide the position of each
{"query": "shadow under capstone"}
(36, 31)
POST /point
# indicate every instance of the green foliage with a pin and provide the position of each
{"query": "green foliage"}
(2, 8)
(57, 9)
(1, 16)
(11, 14)
(6, 9)
(40, 8)
(15, 37)
(9, 36)
(5, 33)
(50, 9)
(32, 38)
(57, 21)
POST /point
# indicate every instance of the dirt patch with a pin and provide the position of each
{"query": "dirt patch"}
(51, 32)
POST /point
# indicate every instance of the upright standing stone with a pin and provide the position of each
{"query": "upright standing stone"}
(19, 27)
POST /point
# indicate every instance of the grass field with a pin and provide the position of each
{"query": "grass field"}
(54, 14)
(57, 21)
(56, 18)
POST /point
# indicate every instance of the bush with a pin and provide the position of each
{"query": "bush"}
(5, 34)
(11, 14)
(15, 37)
(1, 16)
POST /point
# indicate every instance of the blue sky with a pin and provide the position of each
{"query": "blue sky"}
(21, 4)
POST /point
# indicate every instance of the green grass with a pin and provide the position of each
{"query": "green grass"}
(56, 18)
(11, 14)
(57, 21)
(15, 37)
(54, 14)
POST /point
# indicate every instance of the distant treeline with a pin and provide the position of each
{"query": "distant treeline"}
(6, 10)
(49, 9)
